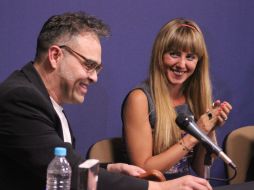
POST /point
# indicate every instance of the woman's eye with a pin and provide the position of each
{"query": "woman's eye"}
(191, 57)
(174, 54)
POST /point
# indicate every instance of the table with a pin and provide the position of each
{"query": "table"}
(243, 186)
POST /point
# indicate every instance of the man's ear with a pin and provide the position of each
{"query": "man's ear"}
(54, 56)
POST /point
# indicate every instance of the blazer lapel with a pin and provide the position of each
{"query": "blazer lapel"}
(33, 76)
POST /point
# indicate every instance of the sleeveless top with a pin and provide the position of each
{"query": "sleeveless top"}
(183, 166)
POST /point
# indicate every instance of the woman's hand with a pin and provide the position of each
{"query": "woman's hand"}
(125, 169)
(215, 116)
(225, 109)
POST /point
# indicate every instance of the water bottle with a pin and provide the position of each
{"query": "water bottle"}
(59, 171)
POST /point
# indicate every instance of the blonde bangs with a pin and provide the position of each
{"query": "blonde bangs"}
(187, 40)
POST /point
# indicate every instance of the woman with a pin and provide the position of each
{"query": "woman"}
(178, 82)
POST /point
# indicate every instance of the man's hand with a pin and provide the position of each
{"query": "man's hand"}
(183, 183)
(125, 169)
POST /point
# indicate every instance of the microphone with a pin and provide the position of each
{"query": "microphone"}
(187, 124)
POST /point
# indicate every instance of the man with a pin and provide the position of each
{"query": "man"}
(32, 122)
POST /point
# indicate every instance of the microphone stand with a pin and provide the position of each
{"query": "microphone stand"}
(207, 163)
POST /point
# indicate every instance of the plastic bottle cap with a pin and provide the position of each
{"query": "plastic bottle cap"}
(60, 151)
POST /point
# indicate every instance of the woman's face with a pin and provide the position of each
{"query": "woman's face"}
(179, 66)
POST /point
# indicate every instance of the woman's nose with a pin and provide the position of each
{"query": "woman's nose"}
(182, 61)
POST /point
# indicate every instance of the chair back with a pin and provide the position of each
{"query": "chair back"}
(113, 150)
(239, 146)
(108, 151)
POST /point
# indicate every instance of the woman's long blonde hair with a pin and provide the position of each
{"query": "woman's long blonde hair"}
(183, 35)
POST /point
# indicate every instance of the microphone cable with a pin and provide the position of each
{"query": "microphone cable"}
(224, 180)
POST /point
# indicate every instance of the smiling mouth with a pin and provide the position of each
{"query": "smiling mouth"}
(177, 72)
(83, 87)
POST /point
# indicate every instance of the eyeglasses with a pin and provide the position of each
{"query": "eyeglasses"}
(88, 64)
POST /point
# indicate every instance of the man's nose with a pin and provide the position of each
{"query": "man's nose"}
(93, 76)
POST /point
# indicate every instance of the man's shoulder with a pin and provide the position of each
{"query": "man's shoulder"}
(23, 99)
(17, 91)
(20, 82)
(16, 84)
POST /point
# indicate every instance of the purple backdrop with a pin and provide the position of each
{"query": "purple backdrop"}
(227, 26)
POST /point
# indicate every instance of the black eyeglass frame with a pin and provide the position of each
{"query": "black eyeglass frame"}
(89, 64)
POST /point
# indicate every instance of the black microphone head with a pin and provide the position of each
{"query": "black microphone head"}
(182, 120)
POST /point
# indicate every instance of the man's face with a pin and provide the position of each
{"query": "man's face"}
(75, 76)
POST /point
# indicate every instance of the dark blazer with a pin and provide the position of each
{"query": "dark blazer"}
(30, 129)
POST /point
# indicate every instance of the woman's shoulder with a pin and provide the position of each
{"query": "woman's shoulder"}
(137, 97)
(144, 86)
(137, 94)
